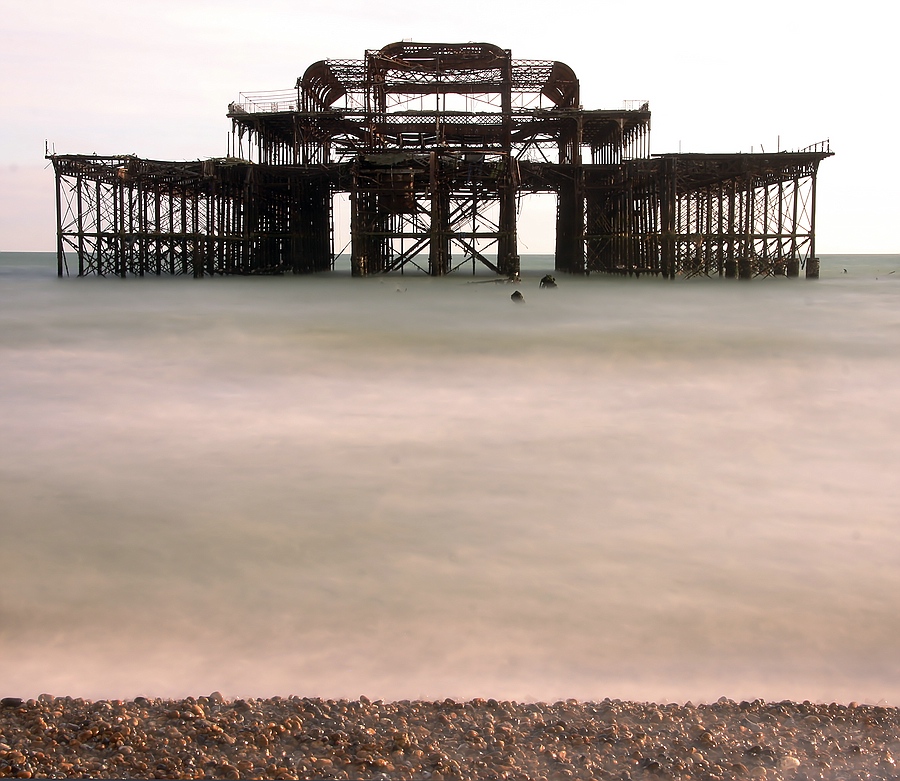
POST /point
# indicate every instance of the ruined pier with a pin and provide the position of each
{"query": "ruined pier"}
(435, 145)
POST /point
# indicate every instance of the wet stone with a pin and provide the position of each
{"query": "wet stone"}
(301, 738)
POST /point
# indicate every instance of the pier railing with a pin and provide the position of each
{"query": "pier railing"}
(264, 102)
(819, 146)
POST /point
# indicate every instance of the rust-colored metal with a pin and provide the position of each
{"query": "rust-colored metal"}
(435, 144)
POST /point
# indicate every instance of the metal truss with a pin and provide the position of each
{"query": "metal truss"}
(746, 215)
(414, 212)
(123, 216)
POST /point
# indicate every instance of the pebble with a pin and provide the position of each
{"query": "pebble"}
(311, 738)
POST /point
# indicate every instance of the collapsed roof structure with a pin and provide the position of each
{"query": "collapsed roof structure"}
(435, 144)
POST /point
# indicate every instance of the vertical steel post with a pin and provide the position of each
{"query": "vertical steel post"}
(439, 230)
(812, 264)
(59, 225)
(745, 262)
(668, 195)
(794, 262)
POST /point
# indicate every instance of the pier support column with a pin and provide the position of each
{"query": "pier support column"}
(745, 264)
(366, 256)
(793, 265)
(507, 243)
(668, 196)
(439, 239)
(368, 225)
(730, 259)
(570, 223)
(313, 253)
(60, 253)
(595, 248)
(812, 263)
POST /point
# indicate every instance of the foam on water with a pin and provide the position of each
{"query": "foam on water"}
(410, 487)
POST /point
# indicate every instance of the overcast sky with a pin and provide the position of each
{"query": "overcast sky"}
(154, 78)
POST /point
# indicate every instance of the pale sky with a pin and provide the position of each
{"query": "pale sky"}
(155, 78)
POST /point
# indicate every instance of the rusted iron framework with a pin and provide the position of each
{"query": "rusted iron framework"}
(126, 216)
(435, 144)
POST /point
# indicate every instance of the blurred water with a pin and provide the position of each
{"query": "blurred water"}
(408, 487)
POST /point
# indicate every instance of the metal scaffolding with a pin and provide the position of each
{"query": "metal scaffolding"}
(435, 144)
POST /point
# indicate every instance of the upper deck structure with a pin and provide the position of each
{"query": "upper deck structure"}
(435, 145)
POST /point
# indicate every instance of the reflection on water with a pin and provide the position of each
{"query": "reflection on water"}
(408, 487)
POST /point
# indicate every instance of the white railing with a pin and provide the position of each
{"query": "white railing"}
(264, 102)
(819, 146)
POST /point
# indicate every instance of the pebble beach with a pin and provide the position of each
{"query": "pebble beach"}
(302, 738)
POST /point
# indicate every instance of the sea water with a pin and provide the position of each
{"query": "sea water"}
(408, 487)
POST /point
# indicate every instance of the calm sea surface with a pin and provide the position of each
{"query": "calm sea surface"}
(413, 488)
